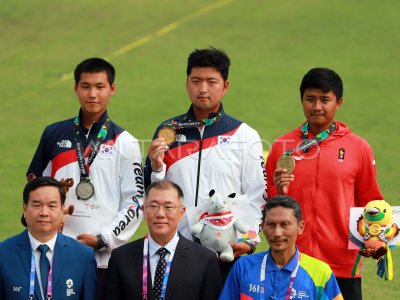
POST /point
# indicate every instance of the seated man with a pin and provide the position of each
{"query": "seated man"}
(41, 263)
(282, 272)
(164, 264)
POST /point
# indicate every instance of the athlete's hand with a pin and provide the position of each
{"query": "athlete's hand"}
(240, 249)
(156, 153)
(89, 240)
(282, 180)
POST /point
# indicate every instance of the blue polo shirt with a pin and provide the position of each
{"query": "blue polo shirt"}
(314, 279)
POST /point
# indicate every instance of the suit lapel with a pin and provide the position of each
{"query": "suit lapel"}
(139, 270)
(24, 250)
(59, 257)
(181, 255)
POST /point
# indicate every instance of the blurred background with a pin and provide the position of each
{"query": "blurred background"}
(272, 44)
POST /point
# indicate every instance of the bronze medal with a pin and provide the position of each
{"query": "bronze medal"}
(168, 134)
(84, 190)
(286, 162)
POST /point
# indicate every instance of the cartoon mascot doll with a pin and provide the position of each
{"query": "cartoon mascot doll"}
(376, 227)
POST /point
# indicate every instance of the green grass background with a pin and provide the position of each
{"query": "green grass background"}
(271, 44)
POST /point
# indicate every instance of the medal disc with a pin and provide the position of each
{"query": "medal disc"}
(374, 229)
(84, 190)
(286, 162)
(168, 134)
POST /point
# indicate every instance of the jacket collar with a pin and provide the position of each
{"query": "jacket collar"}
(190, 113)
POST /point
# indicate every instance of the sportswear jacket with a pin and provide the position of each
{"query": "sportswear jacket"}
(314, 279)
(331, 177)
(227, 157)
(117, 176)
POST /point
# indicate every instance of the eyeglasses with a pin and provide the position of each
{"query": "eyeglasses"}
(169, 208)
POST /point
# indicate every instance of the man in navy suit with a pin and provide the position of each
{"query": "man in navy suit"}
(164, 264)
(41, 263)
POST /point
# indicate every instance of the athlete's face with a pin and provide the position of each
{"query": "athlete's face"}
(94, 92)
(281, 228)
(43, 212)
(319, 108)
(206, 87)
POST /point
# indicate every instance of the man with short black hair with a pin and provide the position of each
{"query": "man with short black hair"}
(164, 264)
(282, 272)
(328, 169)
(104, 162)
(207, 149)
(41, 263)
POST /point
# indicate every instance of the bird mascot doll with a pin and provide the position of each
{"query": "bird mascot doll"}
(376, 227)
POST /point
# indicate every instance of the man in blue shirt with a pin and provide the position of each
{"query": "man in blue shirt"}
(282, 272)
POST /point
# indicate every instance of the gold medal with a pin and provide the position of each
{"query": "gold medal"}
(168, 134)
(374, 229)
(286, 162)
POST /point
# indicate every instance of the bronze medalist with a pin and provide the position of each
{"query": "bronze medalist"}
(286, 162)
(168, 134)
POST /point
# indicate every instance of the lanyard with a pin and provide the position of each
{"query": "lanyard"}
(292, 276)
(49, 292)
(204, 122)
(80, 149)
(308, 143)
(145, 262)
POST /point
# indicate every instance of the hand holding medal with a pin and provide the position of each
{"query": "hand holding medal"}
(282, 175)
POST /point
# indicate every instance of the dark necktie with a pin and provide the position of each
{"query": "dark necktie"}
(44, 266)
(160, 271)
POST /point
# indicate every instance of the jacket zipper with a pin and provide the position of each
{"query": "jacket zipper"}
(198, 172)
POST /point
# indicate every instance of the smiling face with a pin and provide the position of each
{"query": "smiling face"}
(163, 211)
(206, 87)
(281, 228)
(94, 92)
(319, 108)
(43, 212)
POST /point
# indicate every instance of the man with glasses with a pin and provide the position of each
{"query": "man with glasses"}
(163, 264)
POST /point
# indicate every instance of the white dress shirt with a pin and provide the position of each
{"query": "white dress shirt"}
(154, 257)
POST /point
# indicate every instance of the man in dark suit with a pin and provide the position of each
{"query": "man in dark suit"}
(169, 265)
(41, 263)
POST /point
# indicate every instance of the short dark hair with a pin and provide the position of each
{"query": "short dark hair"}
(40, 182)
(165, 185)
(94, 65)
(210, 57)
(284, 201)
(322, 78)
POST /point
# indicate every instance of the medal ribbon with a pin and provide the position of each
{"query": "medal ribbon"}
(292, 276)
(80, 149)
(145, 261)
(49, 292)
(308, 143)
(204, 122)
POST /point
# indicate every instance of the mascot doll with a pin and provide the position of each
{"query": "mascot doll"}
(218, 228)
(376, 228)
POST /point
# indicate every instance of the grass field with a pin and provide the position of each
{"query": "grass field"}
(271, 44)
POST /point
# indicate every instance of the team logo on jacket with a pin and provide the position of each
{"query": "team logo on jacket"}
(64, 144)
(341, 155)
(106, 150)
(180, 138)
(70, 287)
(224, 140)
